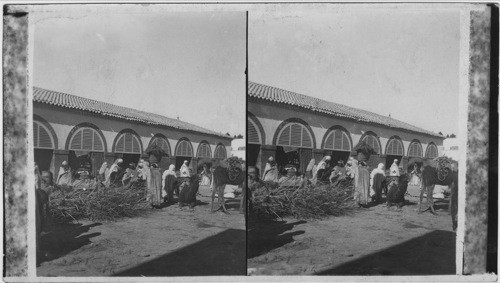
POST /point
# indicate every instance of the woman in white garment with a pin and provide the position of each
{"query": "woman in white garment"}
(270, 171)
(377, 177)
(185, 170)
(64, 177)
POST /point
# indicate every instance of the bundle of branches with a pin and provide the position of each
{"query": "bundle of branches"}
(98, 203)
(309, 202)
(364, 151)
(155, 153)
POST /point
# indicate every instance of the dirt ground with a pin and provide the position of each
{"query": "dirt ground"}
(368, 241)
(166, 242)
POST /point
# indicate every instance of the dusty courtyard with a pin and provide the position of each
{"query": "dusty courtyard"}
(372, 241)
(166, 242)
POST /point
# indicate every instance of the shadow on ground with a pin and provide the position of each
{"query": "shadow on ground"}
(63, 239)
(221, 254)
(266, 236)
(430, 254)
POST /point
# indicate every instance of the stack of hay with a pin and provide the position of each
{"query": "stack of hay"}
(309, 202)
(97, 203)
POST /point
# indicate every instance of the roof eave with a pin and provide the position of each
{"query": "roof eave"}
(131, 119)
(342, 116)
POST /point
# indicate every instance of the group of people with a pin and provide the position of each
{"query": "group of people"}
(156, 181)
(368, 186)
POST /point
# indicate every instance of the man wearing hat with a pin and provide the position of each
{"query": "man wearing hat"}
(270, 171)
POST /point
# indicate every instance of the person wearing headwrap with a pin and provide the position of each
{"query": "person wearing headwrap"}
(145, 170)
(270, 171)
(310, 168)
(338, 172)
(361, 183)
(377, 178)
(113, 170)
(47, 182)
(38, 177)
(140, 166)
(101, 175)
(321, 169)
(64, 177)
(394, 170)
(130, 175)
(185, 170)
(169, 179)
(205, 176)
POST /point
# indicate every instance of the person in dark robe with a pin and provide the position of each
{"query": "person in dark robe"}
(377, 182)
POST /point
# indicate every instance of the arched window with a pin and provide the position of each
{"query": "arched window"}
(415, 149)
(372, 140)
(86, 138)
(394, 147)
(295, 134)
(254, 135)
(128, 143)
(432, 151)
(204, 150)
(161, 142)
(220, 152)
(338, 140)
(41, 136)
(184, 148)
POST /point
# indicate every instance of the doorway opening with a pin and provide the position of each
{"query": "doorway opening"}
(253, 151)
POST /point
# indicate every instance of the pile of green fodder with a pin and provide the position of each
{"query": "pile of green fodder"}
(97, 203)
(309, 202)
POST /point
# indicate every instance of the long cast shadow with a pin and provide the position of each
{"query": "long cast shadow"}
(264, 236)
(63, 239)
(221, 254)
(430, 254)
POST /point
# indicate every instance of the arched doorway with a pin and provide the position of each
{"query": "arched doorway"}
(86, 149)
(255, 138)
(372, 139)
(44, 145)
(431, 151)
(128, 147)
(162, 142)
(204, 153)
(183, 151)
(220, 152)
(393, 150)
(338, 142)
(294, 144)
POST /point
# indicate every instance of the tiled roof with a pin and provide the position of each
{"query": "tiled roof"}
(318, 105)
(76, 102)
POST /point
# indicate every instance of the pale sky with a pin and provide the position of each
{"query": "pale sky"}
(186, 64)
(399, 61)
